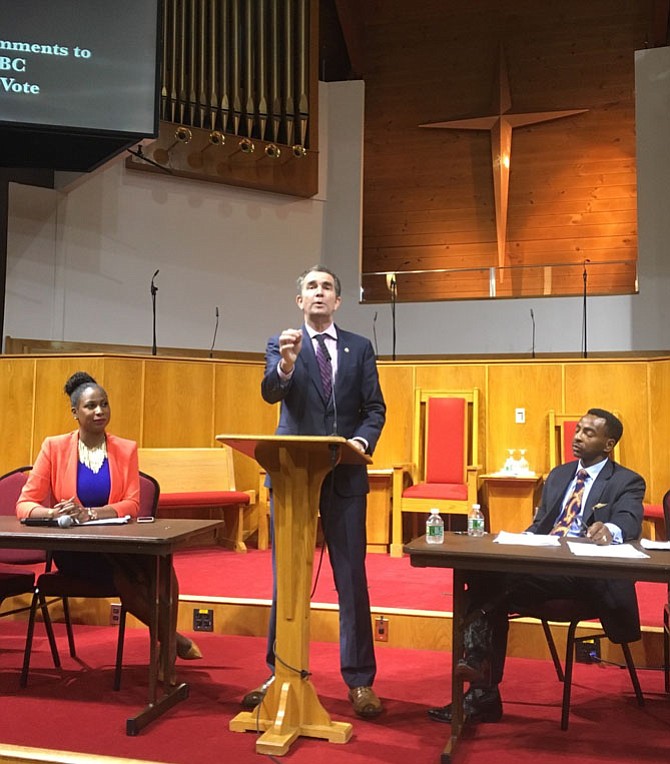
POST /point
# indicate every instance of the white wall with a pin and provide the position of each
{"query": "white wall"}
(80, 261)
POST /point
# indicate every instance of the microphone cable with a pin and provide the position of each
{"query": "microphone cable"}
(374, 333)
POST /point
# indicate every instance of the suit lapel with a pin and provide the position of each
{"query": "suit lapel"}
(557, 499)
(597, 489)
(343, 353)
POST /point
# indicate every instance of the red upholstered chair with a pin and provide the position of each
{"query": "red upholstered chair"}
(11, 485)
(61, 585)
(561, 433)
(666, 609)
(444, 469)
(13, 579)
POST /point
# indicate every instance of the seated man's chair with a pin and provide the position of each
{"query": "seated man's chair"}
(57, 584)
(444, 469)
(572, 612)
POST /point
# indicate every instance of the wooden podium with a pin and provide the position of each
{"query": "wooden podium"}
(297, 466)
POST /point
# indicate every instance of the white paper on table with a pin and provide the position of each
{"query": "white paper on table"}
(109, 521)
(626, 551)
(526, 539)
(649, 544)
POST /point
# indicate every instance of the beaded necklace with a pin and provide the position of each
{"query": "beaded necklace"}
(93, 458)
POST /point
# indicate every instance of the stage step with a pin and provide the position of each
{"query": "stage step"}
(415, 629)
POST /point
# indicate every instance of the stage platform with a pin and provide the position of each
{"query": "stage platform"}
(414, 603)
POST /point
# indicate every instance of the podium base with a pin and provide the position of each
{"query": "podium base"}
(283, 718)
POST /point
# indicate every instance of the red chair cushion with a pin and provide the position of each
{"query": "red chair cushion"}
(202, 499)
(445, 440)
(457, 491)
(653, 510)
(568, 436)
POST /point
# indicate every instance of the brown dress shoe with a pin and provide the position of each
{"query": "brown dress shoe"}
(472, 671)
(255, 697)
(365, 702)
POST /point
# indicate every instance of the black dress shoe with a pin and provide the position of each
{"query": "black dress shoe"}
(479, 706)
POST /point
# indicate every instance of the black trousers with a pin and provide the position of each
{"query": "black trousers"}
(491, 597)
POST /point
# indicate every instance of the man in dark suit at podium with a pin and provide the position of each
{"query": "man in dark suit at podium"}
(326, 380)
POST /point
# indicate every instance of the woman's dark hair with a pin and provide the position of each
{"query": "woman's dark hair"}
(76, 385)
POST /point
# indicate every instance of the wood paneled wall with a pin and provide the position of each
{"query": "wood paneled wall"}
(161, 402)
(428, 194)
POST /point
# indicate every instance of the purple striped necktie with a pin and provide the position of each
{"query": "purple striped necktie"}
(572, 507)
(325, 366)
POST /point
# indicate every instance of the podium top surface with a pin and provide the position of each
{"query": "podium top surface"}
(246, 444)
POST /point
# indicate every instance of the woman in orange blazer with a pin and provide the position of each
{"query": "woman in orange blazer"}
(89, 475)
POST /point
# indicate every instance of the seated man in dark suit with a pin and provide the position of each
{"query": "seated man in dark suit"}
(595, 497)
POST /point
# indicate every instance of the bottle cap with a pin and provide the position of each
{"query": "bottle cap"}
(476, 506)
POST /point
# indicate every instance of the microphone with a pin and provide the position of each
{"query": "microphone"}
(62, 521)
(374, 332)
(154, 289)
(532, 318)
(141, 155)
(216, 328)
(584, 325)
(392, 286)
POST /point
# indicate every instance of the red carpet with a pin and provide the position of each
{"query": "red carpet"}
(392, 581)
(75, 708)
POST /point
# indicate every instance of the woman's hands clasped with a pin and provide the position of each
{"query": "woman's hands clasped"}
(72, 508)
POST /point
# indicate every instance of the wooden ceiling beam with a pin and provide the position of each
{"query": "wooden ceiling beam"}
(658, 33)
(350, 15)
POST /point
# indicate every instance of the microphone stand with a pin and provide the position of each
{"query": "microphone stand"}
(216, 328)
(154, 289)
(532, 318)
(584, 332)
(374, 333)
(394, 294)
(141, 155)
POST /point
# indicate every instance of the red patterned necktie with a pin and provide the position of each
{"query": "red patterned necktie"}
(325, 366)
(572, 506)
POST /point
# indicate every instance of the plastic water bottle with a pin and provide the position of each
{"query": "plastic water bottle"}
(434, 528)
(475, 521)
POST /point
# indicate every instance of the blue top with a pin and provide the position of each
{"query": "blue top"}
(93, 490)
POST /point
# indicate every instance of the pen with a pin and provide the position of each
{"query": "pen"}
(585, 527)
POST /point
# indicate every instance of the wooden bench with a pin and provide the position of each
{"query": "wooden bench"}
(194, 480)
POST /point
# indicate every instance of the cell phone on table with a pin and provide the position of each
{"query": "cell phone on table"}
(145, 519)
